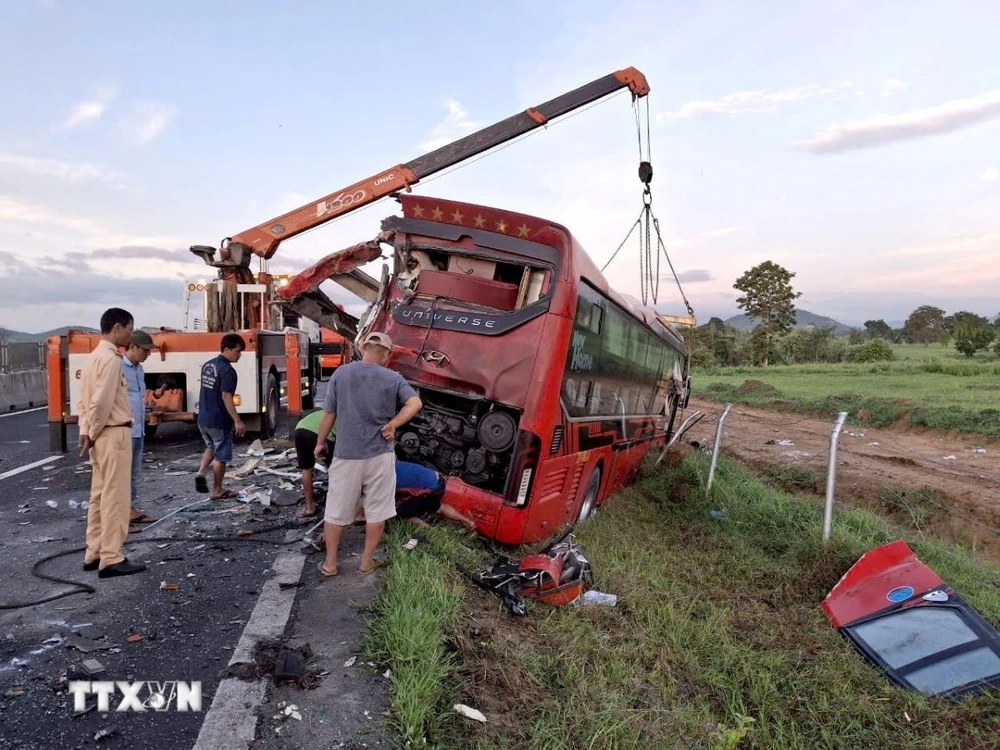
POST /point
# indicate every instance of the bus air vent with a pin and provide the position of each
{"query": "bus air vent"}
(557, 438)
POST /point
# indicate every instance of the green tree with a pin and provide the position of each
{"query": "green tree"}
(768, 297)
(856, 336)
(972, 332)
(925, 324)
(878, 329)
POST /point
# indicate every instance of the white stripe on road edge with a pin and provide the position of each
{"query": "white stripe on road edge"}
(231, 721)
(23, 411)
(28, 467)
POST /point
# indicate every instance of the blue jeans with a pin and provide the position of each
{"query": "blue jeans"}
(137, 445)
(220, 441)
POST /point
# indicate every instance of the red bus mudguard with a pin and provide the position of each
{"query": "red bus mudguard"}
(902, 617)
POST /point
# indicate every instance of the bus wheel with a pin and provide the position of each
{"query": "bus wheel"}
(151, 431)
(269, 419)
(590, 496)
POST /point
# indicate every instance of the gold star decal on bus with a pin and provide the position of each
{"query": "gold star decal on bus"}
(522, 231)
(480, 221)
(457, 217)
(418, 211)
(438, 213)
(501, 226)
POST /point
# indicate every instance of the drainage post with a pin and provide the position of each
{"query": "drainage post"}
(831, 476)
(716, 448)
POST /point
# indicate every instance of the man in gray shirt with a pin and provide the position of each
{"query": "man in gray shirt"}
(362, 399)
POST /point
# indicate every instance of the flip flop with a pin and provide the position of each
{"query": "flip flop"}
(375, 566)
(324, 572)
(142, 518)
(226, 495)
(201, 484)
(302, 515)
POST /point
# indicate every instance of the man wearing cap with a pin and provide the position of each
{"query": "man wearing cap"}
(135, 378)
(368, 402)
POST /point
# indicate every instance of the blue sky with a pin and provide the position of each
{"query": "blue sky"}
(856, 143)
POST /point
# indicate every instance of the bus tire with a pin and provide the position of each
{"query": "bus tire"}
(150, 432)
(589, 500)
(272, 402)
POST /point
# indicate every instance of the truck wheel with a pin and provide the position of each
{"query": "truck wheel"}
(269, 419)
(150, 431)
(590, 496)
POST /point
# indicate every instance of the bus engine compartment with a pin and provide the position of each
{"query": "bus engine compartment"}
(468, 438)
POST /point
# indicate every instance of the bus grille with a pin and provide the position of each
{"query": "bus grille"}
(552, 485)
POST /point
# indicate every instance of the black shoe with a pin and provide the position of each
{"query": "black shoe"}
(124, 568)
(201, 484)
(92, 566)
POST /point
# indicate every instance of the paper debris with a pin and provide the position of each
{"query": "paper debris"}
(950, 458)
(350, 662)
(410, 544)
(785, 443)
(52, 503)
(469, 713)
(245, 469)
(276, 473)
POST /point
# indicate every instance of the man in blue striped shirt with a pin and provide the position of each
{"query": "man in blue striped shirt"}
(135, 378)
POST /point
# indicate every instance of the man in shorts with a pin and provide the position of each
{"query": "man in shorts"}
(305, 438)
(217, 417)
(363, 399)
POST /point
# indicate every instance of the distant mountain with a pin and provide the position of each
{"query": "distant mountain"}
(18, 336)
(803, 319)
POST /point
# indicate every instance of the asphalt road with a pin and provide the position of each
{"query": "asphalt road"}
(188, 634)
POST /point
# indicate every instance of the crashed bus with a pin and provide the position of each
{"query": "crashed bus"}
(543, 389)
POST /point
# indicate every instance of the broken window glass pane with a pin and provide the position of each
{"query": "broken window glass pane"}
(962, 669)
(912, 634)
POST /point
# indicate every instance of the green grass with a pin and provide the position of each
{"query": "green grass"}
(943, 393)
(718, 640)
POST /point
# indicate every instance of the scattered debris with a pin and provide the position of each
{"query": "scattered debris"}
(245, 469)
(275, 472)
(52, 503)
(14, 692)
(105, 733)
(24, 508)
(979, 450)
(92, 667)
(469, 713)
(292, 711)
(289, 665)
(89, 631)
(257, 449)
(411, 544)
(164, 586)
(245, 532)
(46, 539)
(135, 638)
(595, 598)
(350, 662)
(874, 443)
(73, 504)
(86, 645)
(387, 674)
(950, 458)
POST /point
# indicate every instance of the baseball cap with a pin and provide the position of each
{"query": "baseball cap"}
(143, 340)
(379, 339)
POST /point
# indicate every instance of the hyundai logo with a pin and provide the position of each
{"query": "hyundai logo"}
(435, 358)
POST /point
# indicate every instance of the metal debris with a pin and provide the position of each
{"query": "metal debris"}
(86, 645)
(92, 666)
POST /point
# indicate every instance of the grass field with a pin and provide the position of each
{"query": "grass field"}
(932, 386)
(718, 640)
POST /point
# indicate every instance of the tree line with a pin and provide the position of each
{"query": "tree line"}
(769, 299)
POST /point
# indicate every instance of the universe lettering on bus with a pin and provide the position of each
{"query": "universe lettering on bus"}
(474, 321)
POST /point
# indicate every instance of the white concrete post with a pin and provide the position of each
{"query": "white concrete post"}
(831, 477)
(717, 448)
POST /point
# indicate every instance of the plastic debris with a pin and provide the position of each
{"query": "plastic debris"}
(786, 443)
(73, 504)
(719, 515)
(950, 458)
(164, 586)
(411, 544)
(292, 711)
(92, 666)
(257, 449)
(52, 503)
(350, 662)
(979, 450)
(469, 713)
(875, 443)
(135, 638)
(594, 598)
(84, 505)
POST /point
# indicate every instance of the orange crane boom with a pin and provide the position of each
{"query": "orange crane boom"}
(263, 240)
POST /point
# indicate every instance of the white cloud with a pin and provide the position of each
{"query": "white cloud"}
(92, 109)
(721, 232)
(751, 102)
(918, 123)
(992, 174)
(147, 121)
(63, 170)
(455, 125)
(892, 87)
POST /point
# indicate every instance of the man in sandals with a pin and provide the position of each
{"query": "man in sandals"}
(305, 438)
(217, 417)
(135, 379)
(363, 399)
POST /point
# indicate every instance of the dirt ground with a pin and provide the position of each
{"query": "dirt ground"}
(944, 483)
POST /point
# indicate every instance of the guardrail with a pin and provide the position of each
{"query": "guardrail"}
(17, 356)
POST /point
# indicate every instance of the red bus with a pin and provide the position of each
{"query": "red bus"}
(543, 389)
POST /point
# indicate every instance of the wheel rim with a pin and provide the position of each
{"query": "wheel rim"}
(272, 410)
(589, 498)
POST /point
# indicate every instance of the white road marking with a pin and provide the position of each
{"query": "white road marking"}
(23, 411)
(231, 721)
(28, 467)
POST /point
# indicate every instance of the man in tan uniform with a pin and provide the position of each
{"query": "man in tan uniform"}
(106, 433)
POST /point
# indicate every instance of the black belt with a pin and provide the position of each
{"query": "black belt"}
(123, 424)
